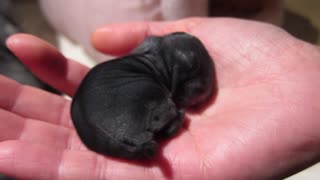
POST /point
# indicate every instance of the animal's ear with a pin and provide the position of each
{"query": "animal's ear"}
(150, 44)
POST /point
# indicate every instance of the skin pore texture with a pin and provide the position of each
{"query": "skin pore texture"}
(123, 106)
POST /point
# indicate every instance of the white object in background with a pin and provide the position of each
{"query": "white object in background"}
(74, 51)
(311, 173)
(77, 19)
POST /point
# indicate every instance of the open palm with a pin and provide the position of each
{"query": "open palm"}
(262, 124)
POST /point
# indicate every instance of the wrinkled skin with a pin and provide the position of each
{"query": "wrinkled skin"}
(263, 124)
(123, 106)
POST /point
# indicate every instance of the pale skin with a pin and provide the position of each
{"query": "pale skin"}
(263, 124)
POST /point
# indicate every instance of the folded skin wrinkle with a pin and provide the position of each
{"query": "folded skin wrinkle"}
(123, 107)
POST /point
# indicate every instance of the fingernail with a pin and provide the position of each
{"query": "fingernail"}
(11, 40)
(15, 39)
(99, 36)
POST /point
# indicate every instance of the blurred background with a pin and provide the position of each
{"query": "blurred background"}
(301, 18)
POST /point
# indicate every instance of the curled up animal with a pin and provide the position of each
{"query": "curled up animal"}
(125, 106)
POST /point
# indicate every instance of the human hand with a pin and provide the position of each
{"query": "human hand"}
(263, 123)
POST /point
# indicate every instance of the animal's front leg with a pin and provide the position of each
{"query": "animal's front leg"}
(173, 127)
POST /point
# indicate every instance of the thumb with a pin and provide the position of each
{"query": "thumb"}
(121, 38)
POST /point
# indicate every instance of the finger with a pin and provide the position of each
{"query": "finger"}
(47, 62)
(119, 39)
(28, 161)
(20, 160)
(34, 103)
(14, 127)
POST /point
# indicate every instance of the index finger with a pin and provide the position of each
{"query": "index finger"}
(47, 63)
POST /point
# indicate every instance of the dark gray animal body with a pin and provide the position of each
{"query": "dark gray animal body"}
(124, 106)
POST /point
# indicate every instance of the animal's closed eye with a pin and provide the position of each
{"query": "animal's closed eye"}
(132, 97)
